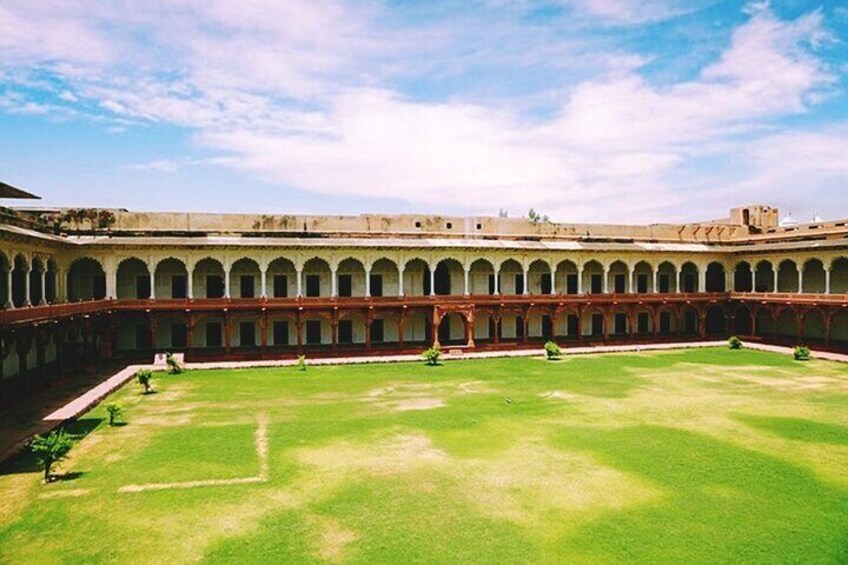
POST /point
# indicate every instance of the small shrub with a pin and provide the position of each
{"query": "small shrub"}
(114, 410)
(734, 342)
(552, 350)
(432, 355)
(144, 377)
(802, 353)
(301, 363)
(51, 449)
(174, 366)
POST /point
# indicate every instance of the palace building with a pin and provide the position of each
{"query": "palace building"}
(83, 285)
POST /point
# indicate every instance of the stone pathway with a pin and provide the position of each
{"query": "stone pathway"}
(13, 439)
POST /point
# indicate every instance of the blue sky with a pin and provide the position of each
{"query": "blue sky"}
(589, 110)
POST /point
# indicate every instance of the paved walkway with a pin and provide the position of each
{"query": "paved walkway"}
(14, 438)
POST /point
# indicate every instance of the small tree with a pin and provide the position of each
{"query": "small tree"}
(51, 449)
(114, 410)
(301, 363)
(174, 366)
(802, 353)
(734, 342)
(537, 218)
(145, 376)
(432, 355)
(552, 350)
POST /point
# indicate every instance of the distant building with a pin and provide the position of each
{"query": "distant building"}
(85, 284)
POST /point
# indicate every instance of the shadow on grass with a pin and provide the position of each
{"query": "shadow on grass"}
(797, 429)
(64, 477)
(26, 462)
(718, 502)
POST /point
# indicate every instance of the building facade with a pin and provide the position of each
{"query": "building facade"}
(81, 285)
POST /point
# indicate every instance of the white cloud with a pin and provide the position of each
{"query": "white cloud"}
(296, 93)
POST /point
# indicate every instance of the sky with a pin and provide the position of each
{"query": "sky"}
(620, 111)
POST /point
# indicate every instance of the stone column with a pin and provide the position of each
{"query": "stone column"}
(467, 270)
(334, 281)
(27, 301)
(263, 278)
(400, 280)
(189, 283)
(702, 280)
(43, 299)
(299, 276)
(433, 286)
(605, 288)
(367, 281)
(800, 279)
(579, 280)
(827, 280)
(753, 277)
(656, 281)
(226, 280)
(630, 288)
(526, 275)
(497, 280)
(9, 302)
(776, 280)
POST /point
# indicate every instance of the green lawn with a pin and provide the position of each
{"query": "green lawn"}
(712, 456)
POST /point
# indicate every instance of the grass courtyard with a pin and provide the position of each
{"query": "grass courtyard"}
(680, 456)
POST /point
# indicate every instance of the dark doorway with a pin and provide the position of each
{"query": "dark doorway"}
(445, 330)
(620, 284)
(214, 334)
(214, 286)
(142, 286)
(247, 286)
(281, 286)
(571, 284)
(665, 322)
(377, 331)
(345, 285)
(620, 323)
(547, 327)
(572, 325)
(443, 279)
(179, 335)
(642, 283)
(281, 332)
(519, 284)
(313, 331)
(519, 327)
(547, 283)
(597, 325)
(247, 334)
(665, 283)
(313, 286)
(179, 286)
(346, 331)
(597, 284)
(98, 284)
(376, 282)
(642, 322)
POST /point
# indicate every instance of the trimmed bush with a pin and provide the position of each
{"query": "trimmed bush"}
(174, 366)
(51, 449)
(432, 356)
(802, 353)
(552, 350)
(301, 362)
(144, 377)
(734, 342)
(114, 410)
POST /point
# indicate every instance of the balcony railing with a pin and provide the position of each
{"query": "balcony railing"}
(38, 314)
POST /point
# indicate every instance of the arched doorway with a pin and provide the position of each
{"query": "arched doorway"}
(716, 278)
(86, 280)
